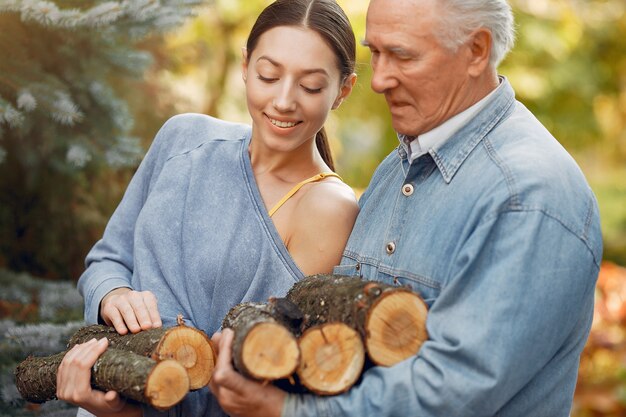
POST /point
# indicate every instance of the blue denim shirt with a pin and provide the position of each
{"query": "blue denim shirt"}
(193, 229)
(499, 232)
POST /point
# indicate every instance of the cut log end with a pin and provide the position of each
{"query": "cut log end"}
(332, 358)
(396, 327)
(167, 384)
(193, 350)
(270, 352)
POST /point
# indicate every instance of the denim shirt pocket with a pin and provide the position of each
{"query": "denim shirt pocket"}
(349, 269)
(371, 269)
(427, 288)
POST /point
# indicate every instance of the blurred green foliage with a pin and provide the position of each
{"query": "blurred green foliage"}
(37, 317)
(70, 75)
(568, 67)
(610, 190)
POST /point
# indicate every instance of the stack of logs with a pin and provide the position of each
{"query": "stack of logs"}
(317, 337)
(324, 328)
(155, 367)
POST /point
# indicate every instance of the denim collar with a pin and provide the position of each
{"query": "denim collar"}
(454, 151)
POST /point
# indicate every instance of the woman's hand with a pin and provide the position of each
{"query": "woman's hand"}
(126, 309)
(237, 395)
(74, 379)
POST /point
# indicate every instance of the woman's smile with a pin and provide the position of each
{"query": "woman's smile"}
(282, 123)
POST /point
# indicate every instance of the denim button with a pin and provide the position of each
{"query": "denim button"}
(407, 189)
(391, 248)
(358, 267)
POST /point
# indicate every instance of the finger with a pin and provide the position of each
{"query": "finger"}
(113, 317)
(225, 346)
(66, 372)
(87, 356)
(111, 396)
(153, 310)
(113, 400)
(110, 308)
(74, 372)
(222, 364)
(224, 375)
(140, 311)
(75, 357)
(216, 341)
(101, 347)
(74, 376)
(129, 316)
(213, 386)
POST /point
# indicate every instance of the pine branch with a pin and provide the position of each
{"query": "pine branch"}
(10, 115)
(47, 13)
(59, 61)
(42, 338)
(26, 101)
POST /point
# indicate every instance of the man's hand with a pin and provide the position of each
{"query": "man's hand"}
(237, 395)
(74, 379)
(126, 310)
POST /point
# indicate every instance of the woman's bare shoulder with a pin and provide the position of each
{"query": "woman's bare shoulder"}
(321, 226)
(331, 197)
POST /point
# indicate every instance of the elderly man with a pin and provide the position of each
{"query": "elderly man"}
(482, 212)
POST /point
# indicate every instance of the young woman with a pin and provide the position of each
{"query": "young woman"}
(220, 213)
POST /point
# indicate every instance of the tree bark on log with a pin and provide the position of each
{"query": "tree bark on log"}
(264, 347)
(191, 347)
(332, 358)
(158, 384)
(391, 320)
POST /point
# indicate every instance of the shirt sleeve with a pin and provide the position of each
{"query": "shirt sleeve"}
(109, 264)
(520, 289)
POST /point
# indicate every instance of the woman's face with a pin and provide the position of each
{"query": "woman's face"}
(292, 82)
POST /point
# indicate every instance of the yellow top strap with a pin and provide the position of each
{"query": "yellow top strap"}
(299, 185)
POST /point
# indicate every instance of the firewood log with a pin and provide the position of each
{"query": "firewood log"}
(191, 347)
(158, 384)
(264, 347)
(332, 358)
(390, 319)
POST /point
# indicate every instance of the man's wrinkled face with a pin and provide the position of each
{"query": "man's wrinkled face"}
(423, 82)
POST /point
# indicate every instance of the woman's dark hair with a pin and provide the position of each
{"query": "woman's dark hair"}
(326, 18)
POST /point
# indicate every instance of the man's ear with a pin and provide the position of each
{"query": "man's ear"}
(479, 44)
(345, 90)
(244, 64)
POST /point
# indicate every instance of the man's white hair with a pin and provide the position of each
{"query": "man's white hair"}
(459, 18)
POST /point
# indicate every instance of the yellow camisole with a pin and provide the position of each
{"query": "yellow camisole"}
(299, 185)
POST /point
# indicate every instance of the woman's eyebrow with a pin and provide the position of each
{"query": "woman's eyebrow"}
(306, 71)
(267, 58)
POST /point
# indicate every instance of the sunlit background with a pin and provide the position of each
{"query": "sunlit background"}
(82, 95)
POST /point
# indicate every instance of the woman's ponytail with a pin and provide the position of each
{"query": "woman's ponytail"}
(321, 141)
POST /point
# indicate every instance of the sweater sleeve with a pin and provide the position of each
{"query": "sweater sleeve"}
(109, 264)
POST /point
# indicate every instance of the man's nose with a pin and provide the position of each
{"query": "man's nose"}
(383, 75)
(285, 100)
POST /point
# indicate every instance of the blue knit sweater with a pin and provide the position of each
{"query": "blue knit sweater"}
(193, 229)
